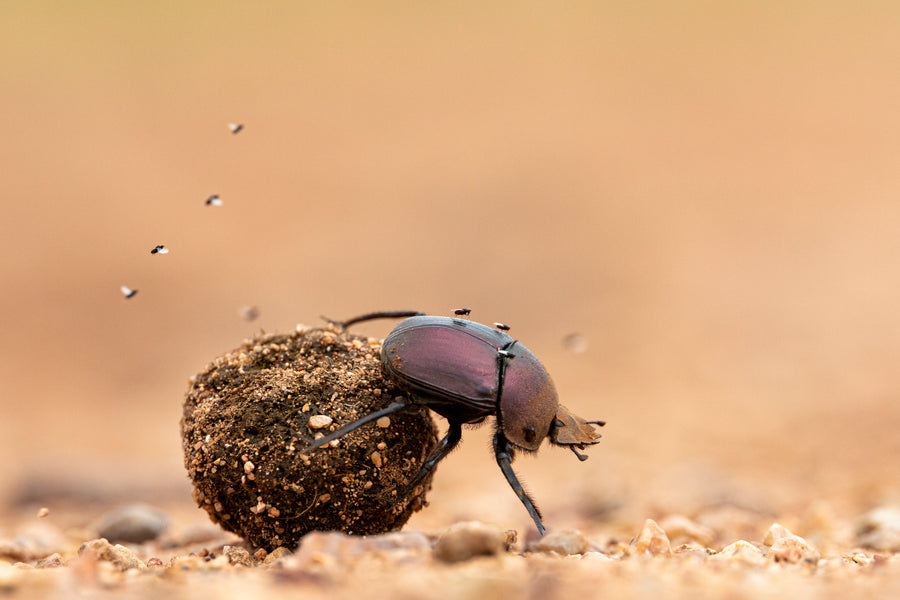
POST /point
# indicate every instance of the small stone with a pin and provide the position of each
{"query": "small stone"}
(118, 556)
(652, 540)
(794, 549)
(43, 512)
(319, 421)
(237, 556)
(260, 554)
(740, 552)
(469, 539)
(248, 467)
(565, 542)
(276, 555)
(136, 523)
(33, 542)
(691, 549)
(680, 529)
(190, 562)
(376, 458)
(879, 529)
(51, 561)
(383, 422)
(784, 546)
(775, 533)
(334, 551)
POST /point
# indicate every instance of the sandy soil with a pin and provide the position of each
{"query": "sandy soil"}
(705, 193)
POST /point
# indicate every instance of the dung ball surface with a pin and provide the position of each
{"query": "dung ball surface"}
(251, 413)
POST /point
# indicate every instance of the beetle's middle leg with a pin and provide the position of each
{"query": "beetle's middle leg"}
(444, 447)
(504, 458)
(382, 314)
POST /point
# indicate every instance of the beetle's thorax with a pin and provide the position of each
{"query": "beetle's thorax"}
(528, 400)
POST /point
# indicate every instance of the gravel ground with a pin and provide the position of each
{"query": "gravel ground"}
(677, 556)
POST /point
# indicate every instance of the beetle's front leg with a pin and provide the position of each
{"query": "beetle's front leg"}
(504, 456)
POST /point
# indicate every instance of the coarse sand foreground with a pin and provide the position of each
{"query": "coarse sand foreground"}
(675, 557)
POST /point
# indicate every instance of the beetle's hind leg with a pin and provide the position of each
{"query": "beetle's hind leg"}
(444, 447)
(383, 314)
(504, 458)
(388, 410)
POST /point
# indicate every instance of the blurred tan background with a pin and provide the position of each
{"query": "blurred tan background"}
(707, 192)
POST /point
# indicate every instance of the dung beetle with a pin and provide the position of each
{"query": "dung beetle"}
(467, 372)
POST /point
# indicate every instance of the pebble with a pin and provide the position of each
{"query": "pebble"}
(784, 546)
(334, 550)
(680, 529)
(237, 556)
(879, 529)
(565, 542)
(51, 561)
(117, 555)
(469, 539)
(383, 422)
(136, 523)
(319, 421)
(740, 552)
(652, 540)
(34, 542)
(276, 555)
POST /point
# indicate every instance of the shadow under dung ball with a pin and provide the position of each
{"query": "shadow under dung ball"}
(250, 414)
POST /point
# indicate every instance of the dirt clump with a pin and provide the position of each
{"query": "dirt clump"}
(249, 416)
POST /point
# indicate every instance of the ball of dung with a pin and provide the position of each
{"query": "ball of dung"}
(249, 416)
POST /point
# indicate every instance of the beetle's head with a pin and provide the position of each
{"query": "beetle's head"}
(573, 431)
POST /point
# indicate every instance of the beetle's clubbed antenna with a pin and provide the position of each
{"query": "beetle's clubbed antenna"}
(392, 408)
(581, 457)
(383, 314)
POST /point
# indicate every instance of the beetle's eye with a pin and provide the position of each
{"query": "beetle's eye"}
(529, 434)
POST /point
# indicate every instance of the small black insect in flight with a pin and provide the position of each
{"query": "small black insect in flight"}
(502, 326)
(467, 372)
(214, 200)
(128, 292)
(235, 128)
(159, 249)
(462, 312)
